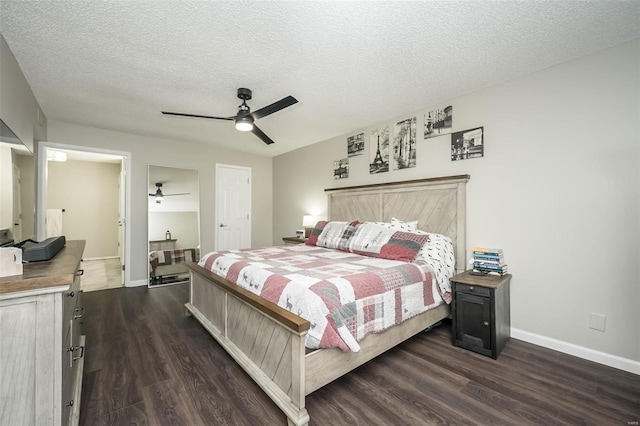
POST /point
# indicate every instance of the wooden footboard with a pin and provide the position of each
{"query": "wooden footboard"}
(268, 341)
(264, 339)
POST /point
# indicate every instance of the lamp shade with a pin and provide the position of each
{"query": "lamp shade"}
(309, 221)
(244, 124)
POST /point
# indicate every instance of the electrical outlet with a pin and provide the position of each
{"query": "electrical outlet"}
(598, 321)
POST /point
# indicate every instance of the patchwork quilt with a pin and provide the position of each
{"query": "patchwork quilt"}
(345, 296)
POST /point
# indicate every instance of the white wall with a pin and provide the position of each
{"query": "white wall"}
(147, 150)
(558, 190)
(182, 225)
(89, 194)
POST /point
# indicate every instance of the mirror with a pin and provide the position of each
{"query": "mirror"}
(17, 186)
(173, 223)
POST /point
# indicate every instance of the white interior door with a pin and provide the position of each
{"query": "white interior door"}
(233, 207)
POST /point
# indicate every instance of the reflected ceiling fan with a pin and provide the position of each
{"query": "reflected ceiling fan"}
(245, 119)
(159, 195)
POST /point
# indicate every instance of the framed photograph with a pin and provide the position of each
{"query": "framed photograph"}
(379, 150)
(404, 144)
(355, 145)
(341, 168)
(467, 144)
(437, 122)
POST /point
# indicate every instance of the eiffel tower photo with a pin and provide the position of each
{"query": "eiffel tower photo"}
(379, 165)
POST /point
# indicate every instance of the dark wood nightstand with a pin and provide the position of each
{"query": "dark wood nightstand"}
(480, 311)
(294, 240)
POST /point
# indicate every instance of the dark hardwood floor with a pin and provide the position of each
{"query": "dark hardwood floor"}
(148, 364)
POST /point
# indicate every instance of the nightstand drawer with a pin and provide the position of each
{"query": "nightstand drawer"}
(473, 289)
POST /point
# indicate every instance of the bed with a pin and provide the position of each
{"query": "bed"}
(268, 341)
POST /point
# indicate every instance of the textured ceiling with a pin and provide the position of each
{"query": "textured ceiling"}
(116, 64)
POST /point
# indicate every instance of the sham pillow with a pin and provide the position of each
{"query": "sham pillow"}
(372, 239)
(333, 234)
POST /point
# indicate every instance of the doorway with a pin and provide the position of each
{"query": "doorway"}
(83, 194)
(233, 207)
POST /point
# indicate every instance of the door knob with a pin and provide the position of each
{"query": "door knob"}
(222, 225)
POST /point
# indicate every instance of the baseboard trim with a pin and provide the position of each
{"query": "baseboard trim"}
(585, 353)
(137, 283)
(100, 258)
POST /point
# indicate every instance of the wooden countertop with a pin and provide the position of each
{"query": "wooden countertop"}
(59, 271)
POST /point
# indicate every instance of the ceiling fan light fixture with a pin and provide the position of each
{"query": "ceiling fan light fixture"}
(244, 124)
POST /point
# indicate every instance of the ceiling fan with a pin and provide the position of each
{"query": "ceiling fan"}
(245, 119)
(159, 195)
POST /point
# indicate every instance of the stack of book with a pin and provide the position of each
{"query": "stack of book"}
(489, 261)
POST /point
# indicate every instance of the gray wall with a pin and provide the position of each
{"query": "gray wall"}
(88, 191)
(145, 151)
(21, 112)
(558, 190)
(18, 107)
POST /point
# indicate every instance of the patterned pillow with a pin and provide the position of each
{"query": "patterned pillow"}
(368, 239)
(438, 253)
(404, 226)
(371, 239)
(317, 230)
(334, 234)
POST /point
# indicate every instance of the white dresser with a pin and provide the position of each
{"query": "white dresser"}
(41, 343)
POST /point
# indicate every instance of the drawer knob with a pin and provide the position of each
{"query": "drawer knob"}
(471, 288)
(486, 323)
(70, 403)
(71, 294)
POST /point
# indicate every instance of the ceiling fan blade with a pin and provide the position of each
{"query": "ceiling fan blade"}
(274, 107)
(259, 133)
(183, 193)
(180, 114)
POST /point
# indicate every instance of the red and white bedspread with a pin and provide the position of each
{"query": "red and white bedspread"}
(344, 296)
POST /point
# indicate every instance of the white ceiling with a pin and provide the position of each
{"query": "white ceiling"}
(117, 64)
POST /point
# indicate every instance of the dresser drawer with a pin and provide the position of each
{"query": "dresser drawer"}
(473, 289)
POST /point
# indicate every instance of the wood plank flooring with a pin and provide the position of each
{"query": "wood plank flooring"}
(148, 364)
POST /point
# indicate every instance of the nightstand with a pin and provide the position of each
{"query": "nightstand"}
(294, 240)
(480, 312)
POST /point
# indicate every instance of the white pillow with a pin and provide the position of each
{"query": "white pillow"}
(398, 225)
(404, 226)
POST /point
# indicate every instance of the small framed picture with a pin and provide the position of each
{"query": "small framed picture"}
(341, 168)
(467, 144)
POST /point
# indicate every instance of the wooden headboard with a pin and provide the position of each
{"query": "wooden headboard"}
(438, 204)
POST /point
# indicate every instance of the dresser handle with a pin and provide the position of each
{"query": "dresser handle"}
(78, 313)
(80, 272)
(75, 358)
